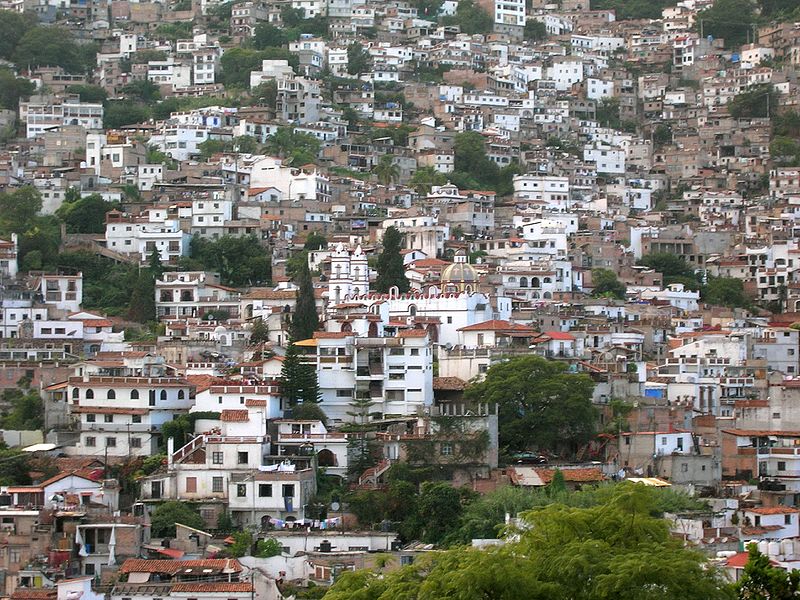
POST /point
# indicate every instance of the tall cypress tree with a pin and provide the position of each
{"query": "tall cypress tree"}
(142, 307)
(299, 382)
(391, 271)
(305, 320)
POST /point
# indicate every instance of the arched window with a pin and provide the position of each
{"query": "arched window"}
(523, 282)
(326, 458)
(547, 295)
(512, 280)
(163, 395)
(89, 394)
(134, 394)
(181, 394)
(412, 310)
(547, 280)
(111, 395)
(535, 282)
(76, 393)
(346, 328)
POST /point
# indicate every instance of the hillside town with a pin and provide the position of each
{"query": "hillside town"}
(322, 298)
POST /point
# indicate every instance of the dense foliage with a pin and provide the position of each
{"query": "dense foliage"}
(615, 549)
(390, 267)
(240, 261)
(165, 517)
(541, 407)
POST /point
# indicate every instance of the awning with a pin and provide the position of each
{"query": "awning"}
(309, 343)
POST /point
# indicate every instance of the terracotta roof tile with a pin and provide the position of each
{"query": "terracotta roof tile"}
(212, 587)
(773, 510)
(230, 415)
(141, 565)
(586, 475)
(498, 325)
(449, 383)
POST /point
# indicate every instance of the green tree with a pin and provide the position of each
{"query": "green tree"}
(607, 113)
(439, 507)
(13, 89)
(386, 170)
(726, 291)
(240, 261)
(425, 178)
(358, 59)
(535, 31)
(89, 93)
(142, 307)
(266, 35)
(305, 320)
(616, 549)
(13, 27)
(259, 333)
(15, 466)
(143, 90)
(298, 379)
(154, 265)
(540, 405)
(225, 524)
(473, 167)
(49, 46)
(86, 215)
(26, 411)
(118, 113)
(762, 581)
(242, 544)
(606, 284)
(731, 20)
(18, 209)
(298, 148)
(309, 411)
(315, 241)
(166, 515)
(471, 18)
(391, 270)
(265, 94)
(759, 102)
(268, 548)
(674, 268)
(237, 63)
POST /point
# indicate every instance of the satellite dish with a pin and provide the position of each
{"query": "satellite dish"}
(335, 506)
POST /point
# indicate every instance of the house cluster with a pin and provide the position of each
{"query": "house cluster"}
(605, 192)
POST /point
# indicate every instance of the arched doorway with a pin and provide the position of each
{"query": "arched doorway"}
(433, 333)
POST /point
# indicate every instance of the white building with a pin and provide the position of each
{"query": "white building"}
(40, 114)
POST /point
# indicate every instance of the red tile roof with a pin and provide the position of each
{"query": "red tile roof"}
(559, 335)
(412, 333)
(497, 325)
(210, 588)
(321, 335)
(575, 475)
(449, 383)
(773, 510)
(34, 594)
(140, 565)
(230, 415)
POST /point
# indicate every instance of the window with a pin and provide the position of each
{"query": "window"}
(181, 394)
(108, 418)
(241, 490)
(415, 352)
(781, 465)
(216, 485)
(136, 418)
(265, 490)
(111, 395)
(136, 442)
(152, 397)
(90, 418)
(163, 395)
(134, 394)
(191, 485)
(89, 394)
(344, 394)
(216, 458)
(242, 458)
(288, 490)
(91, 442)
(447, 449)
(664, 441)
(787, 519)
(111, 442)
(757, 521)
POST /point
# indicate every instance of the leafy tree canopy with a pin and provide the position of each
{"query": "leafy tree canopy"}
(731, 20)
(674, 268)
(50, 46)
(240, 261)
(540, 405)
(86, 215)
(471, 18)
(606, 284)
(168, 514)
(613, 550)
